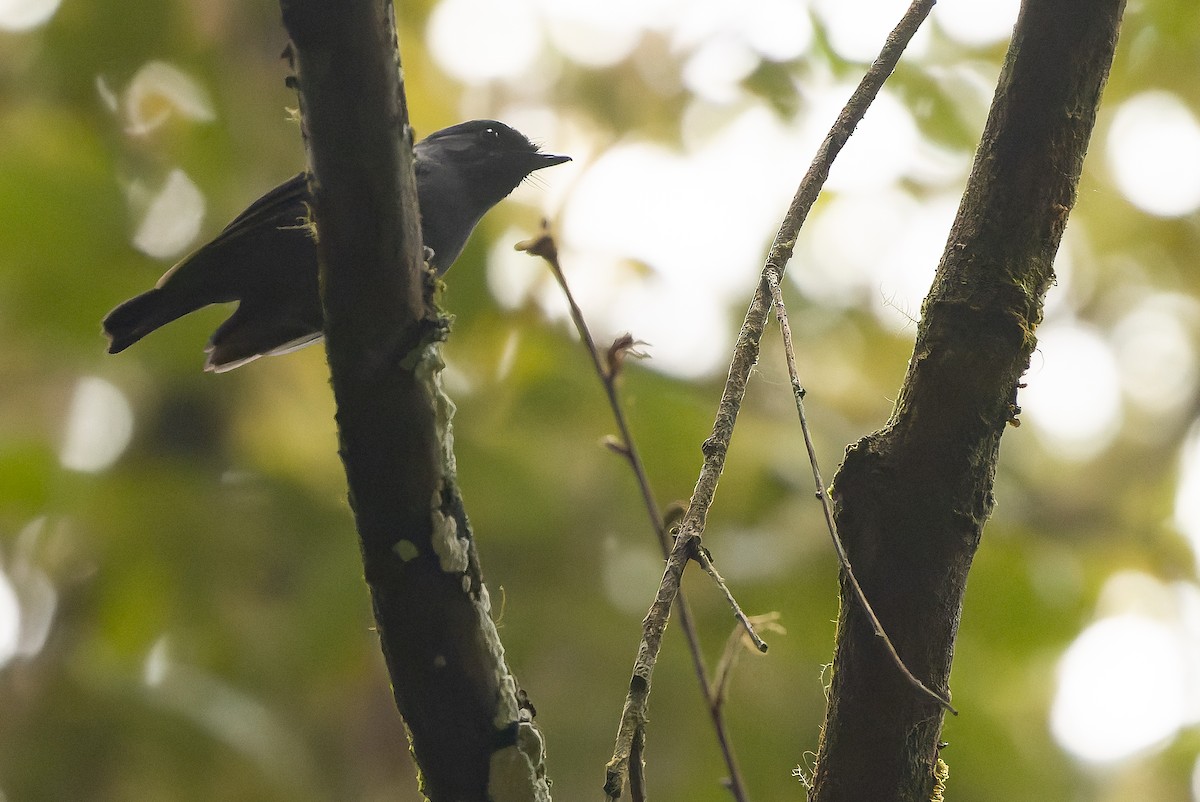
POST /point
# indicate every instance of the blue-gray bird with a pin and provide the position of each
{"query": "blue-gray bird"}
(266, 259)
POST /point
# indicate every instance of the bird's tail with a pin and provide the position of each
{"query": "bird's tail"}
(137, 317)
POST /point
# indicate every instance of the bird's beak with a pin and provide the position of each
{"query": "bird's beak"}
(548, 160)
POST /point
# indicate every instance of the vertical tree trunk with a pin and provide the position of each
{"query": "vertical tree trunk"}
(912, 499)
(471, 736)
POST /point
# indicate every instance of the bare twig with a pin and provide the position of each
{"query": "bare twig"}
(607, 369)
(745, 355)
(798, 391)
(705, 560)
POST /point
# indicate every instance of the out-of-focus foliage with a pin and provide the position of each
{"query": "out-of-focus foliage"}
(182, 614)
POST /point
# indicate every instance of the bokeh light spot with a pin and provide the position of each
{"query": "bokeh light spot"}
(1154, 154)
(1155, 353)
(629, 575)
(779, 30)
(98, 428)
(36, 595)
(857, 31)
(512, 274)
(159, 90)
(173, 217)
(478, 41)
(1073, 399)
(1121, 689)
(889, 271)
(22, 15)
(716, 69)
(10, 619)
(976, 24)
(595, 34)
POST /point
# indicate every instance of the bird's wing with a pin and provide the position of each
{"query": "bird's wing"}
(289, 199)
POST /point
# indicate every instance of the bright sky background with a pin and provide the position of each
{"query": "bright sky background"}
(701, 222)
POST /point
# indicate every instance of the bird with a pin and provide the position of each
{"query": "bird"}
(266, 259)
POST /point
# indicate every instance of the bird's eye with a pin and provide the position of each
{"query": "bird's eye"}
(491, 133)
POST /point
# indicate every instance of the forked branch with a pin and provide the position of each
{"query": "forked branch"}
(745, 355)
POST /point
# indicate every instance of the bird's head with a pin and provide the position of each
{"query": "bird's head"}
(487, 154)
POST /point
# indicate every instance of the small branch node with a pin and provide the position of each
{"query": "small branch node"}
(615, 445)
(607, 369)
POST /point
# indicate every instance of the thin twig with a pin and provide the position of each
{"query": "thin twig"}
(745, 355)
(798, 391)
(607, 370)
(705, 560)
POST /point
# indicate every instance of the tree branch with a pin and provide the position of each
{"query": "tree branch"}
(911, 499)
(470, 735)
(785, 329)
(608, 369)
(745, 355)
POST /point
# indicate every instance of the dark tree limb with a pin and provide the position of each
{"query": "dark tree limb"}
(912, 498)
(470, 733)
